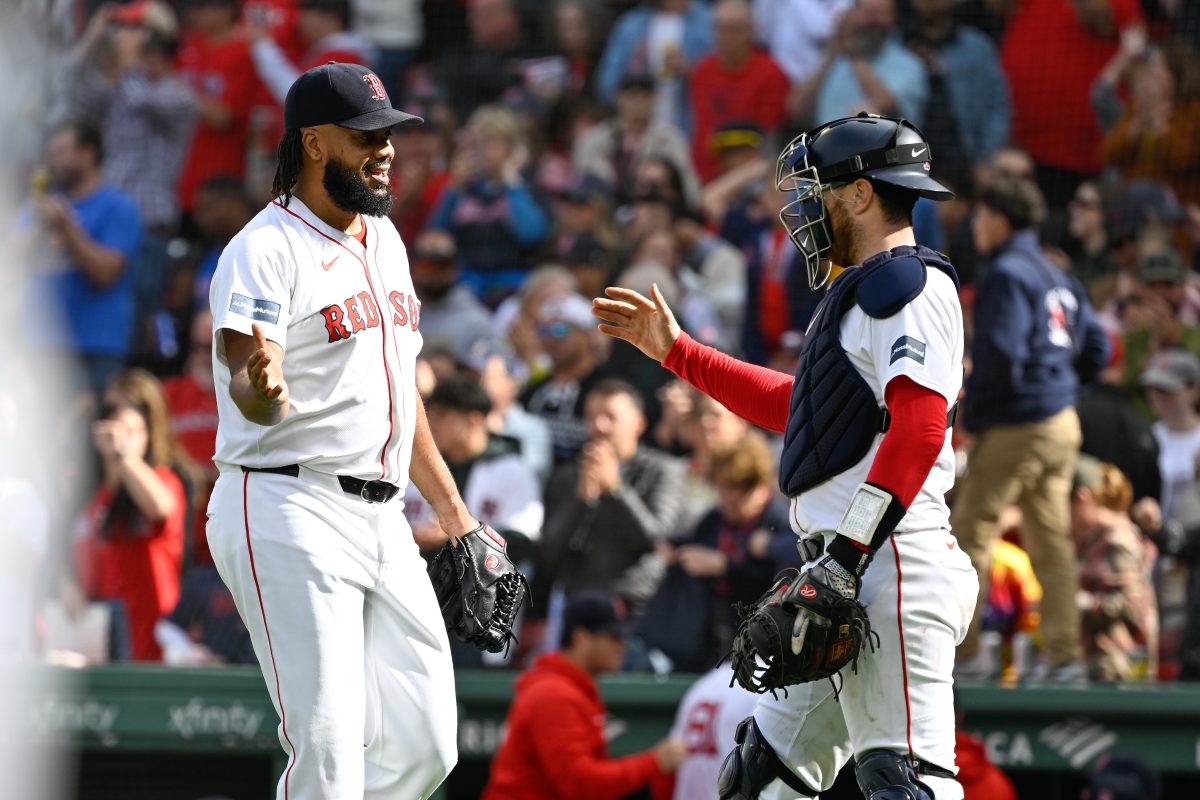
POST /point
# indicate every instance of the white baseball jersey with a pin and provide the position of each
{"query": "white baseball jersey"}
(923, 341)
(706, 720)
(346, 316)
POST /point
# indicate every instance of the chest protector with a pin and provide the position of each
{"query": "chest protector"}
(833, 417)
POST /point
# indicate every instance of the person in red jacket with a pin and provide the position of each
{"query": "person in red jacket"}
(738, 82)
(555, 746)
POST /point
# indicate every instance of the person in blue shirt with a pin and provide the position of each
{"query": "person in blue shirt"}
(84, 237)
(1036, 341)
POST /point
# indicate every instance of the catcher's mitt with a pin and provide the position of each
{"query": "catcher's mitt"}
(772, 650)
(479, 589)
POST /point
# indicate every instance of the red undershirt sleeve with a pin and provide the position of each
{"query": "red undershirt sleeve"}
(756, 394)
(914, 440)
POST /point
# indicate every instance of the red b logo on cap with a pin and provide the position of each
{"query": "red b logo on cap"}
(377, 91)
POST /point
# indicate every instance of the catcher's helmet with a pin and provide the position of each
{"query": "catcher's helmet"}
(882, 149)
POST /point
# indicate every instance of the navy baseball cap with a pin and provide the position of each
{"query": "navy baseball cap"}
(349, 95)
(595, 612)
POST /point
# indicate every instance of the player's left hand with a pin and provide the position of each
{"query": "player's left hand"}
(826, 576)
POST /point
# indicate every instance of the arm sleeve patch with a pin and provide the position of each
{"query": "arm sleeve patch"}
(891, 288)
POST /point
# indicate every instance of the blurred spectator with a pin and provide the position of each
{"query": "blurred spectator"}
(739, 150)
(488, 207)
(1115, 433)
(1012, 615)
(737, 82)
(715, 270)
(577, 33)
(662, 39)
(501, 374)
(192, 408)
(84, 234)
(395, 29)
(1092, 262)
(490, 66)
(280, 18)
(1119, 777)
(796, 32)
(1051, 52)
(1154, 137)
(555, 742)
(516, 319)
(606, 510)
(420, 171)
(589, 261)
(1115, 597)
(497, 486)
(1036, 340)
(451, 316)
(567, 332)
(705, 722)
(583, 208)
(146, 114)
(222, 209)
(967, 115)
(324, 30)
(611, 150)
(730, 557)
(1172, 385)
(864, 67)
(204, 628)
(214, 58)
(129, 539)
(707, 428)
(979, 777)
(1154, 315)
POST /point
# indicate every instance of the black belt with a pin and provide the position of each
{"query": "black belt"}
(370, 491)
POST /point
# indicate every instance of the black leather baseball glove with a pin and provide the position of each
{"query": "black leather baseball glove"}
(479, 589)
(801, 630)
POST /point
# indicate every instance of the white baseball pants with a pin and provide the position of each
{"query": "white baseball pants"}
(347, 631)
(919, 593)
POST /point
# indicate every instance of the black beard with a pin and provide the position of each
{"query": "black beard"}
(349, 190)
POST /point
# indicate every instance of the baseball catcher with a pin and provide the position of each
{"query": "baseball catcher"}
(866, 463)
(478, 588)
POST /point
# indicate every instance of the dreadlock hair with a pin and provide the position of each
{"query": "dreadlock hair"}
(287, 170)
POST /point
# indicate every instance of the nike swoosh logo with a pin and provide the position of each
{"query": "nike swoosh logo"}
(804, 242)
(917, 152)
(949, 545)
(326, 265)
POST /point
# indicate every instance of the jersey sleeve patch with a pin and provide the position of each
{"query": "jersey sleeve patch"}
(261, 310)
(908, 347)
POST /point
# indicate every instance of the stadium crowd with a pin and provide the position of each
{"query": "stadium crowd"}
(577, 144)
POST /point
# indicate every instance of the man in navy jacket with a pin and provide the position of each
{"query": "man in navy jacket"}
(1036, 341)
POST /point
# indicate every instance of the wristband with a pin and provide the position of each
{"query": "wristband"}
(872, 516)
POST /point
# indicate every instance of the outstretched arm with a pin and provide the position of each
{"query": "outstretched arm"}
(754, 393)
(432, 478)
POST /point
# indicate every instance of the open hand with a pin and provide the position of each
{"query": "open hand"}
(647, 324)
(265, 370)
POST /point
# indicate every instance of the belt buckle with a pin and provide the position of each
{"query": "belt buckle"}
(362, 492)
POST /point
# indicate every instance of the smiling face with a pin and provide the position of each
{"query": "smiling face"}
(355, 168)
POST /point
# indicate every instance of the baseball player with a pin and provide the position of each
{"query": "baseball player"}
(705, 721)
(320, 428)
(866, 462)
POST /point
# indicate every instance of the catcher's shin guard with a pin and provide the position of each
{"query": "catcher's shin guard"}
(752, 764)
(887, 775)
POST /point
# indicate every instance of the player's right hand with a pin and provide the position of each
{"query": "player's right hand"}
(647, 324)
(669, 753)
(265, 370)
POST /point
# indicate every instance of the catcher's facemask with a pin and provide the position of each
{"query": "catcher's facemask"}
(804, 216)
